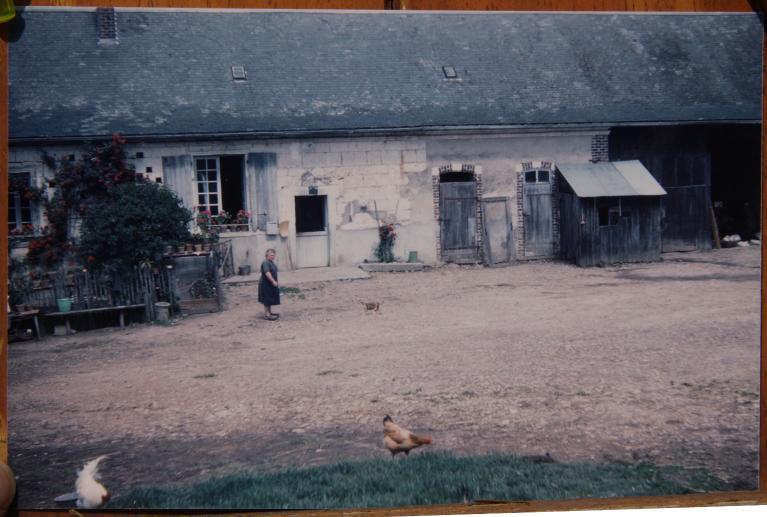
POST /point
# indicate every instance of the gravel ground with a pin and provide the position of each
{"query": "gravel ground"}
(643, 362)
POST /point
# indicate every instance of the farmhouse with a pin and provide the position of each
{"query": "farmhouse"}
(452, 126)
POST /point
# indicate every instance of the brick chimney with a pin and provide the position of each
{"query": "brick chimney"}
(106, 25)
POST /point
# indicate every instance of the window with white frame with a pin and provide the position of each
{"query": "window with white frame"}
(208, 184)
(221, 190)
(20, 204)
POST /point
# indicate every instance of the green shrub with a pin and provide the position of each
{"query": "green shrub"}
(134, 223)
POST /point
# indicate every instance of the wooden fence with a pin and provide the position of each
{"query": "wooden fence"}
(97, 289)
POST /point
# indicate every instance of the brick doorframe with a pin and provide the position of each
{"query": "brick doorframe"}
(521, 169)
(476, 171)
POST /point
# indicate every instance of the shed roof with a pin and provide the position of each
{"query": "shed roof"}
(610, 179)
(169, 71)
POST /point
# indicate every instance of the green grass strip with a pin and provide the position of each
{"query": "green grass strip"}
(422, 479)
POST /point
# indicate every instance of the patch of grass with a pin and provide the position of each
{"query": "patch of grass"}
(204, 376)
(292, 292)
(422, 479)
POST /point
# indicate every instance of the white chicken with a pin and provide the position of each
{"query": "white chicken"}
(90, 493)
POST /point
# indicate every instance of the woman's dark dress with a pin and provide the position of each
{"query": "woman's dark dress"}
(267, 293)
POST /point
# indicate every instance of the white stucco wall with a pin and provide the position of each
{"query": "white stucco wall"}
(363, 178)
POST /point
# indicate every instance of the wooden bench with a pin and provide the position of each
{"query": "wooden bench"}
(17, 317)
(120, 309)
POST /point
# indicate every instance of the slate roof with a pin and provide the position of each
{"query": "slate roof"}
(610, 179)
(314, 72)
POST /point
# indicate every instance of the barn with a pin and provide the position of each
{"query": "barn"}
(451, 126)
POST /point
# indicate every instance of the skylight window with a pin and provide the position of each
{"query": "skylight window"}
(238, 73)
(450, 72)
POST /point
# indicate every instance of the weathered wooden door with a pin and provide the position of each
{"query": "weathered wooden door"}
(458, 208)
(686, 224)
(497, 227)
(686, 206)
(538, 212)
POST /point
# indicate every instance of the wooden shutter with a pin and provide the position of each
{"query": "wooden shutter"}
(178, 175)
(262, 182)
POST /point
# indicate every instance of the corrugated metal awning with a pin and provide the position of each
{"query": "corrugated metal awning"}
(610, 179)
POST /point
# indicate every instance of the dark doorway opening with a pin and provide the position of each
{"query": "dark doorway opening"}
(232, 184)
(701, 167)
(311, 214)
(736, 179)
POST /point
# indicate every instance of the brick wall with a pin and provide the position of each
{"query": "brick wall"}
(599, 148)
(435, 197)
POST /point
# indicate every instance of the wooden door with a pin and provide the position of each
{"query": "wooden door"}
(497, 226)
(458, 208)
(538, 212)
(312, 235)
(686, 206)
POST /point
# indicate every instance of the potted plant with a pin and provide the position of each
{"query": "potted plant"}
(197, 240)
(242, 220)
(384, 250)
(203, 219)
(222, 218)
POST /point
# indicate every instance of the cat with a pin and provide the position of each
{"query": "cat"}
(372, 306)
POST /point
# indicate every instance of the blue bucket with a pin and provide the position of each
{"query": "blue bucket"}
(64, 304)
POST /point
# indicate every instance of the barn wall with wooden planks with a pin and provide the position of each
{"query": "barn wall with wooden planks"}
(586, 5)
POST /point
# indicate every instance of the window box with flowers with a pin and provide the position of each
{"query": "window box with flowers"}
(215, 224)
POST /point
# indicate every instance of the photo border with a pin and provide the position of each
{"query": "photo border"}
(756, 497)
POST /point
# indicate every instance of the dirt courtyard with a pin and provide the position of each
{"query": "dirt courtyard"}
(645, 362)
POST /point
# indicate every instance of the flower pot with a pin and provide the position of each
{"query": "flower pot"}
(188, 247)
(64, 304)
(198, 247)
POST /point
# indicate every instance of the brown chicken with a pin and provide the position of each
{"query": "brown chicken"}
(397, 439)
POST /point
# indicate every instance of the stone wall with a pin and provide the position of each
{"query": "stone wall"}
(367, 180)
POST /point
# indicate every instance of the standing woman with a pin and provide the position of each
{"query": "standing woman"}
(268, 286)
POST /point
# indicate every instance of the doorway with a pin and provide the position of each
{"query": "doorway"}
(232, 184)
(312, 235)
(538, 213)
(458, 217)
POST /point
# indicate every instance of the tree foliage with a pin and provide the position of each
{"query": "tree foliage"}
(134, 223)
(78, 184)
